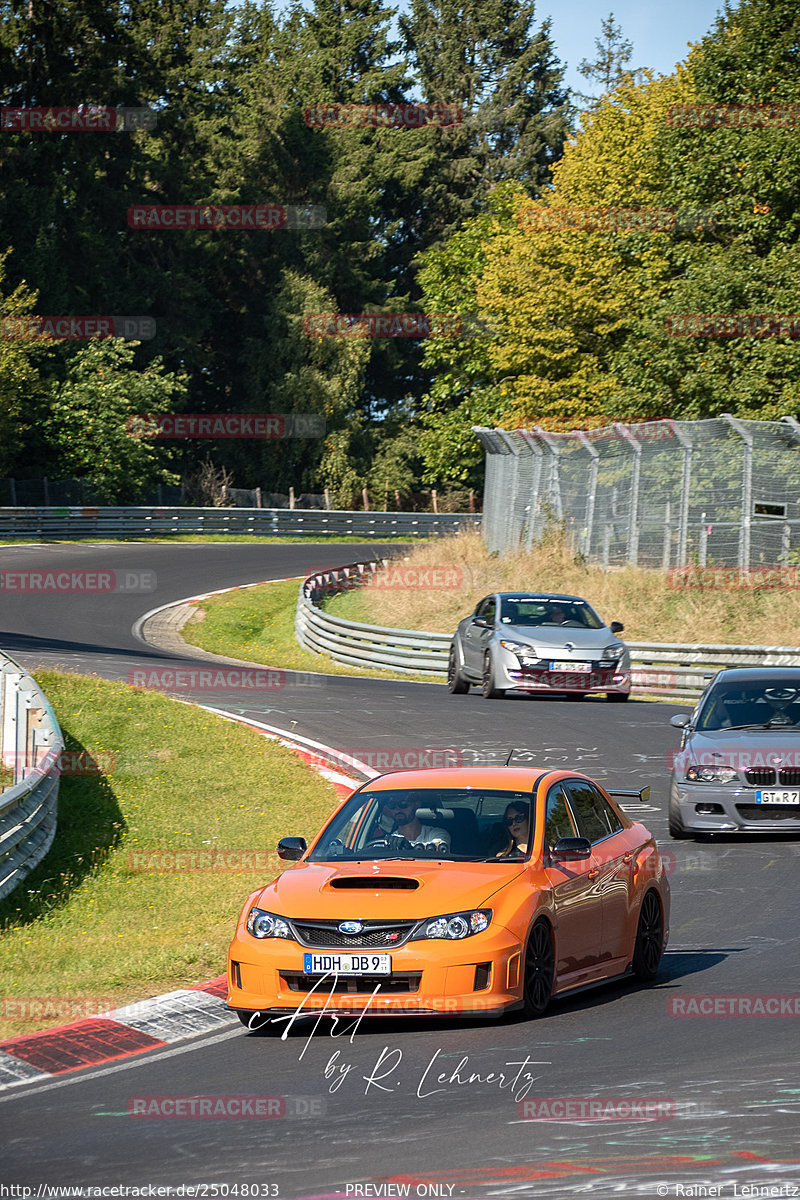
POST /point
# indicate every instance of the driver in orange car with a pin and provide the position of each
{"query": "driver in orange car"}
(402, 812)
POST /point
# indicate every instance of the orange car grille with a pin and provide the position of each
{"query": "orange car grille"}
(363, 983)
(325, 934)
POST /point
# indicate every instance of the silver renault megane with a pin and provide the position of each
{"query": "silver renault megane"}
(538, 642)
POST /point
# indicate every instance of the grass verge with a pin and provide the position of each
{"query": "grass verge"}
(257, 624)
(105, 919)
(650, 609)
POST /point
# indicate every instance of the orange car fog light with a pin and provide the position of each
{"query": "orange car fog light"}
(513, 971)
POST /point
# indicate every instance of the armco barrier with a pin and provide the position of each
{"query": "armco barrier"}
(30, 752)
(671, 672)
(75, 522)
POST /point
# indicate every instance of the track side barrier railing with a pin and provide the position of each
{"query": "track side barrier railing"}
(30, 757)
(659, 669)
(140, 522)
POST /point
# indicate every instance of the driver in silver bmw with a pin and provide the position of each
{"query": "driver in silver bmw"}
(399, 815)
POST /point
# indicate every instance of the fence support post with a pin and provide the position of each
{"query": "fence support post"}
(606, 545)
(747, 488)
(686, 483)
(665, 557)
(633, 515)
(703, 540)
(586, 540)
(532, 507)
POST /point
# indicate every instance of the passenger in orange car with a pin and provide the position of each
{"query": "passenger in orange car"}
(517, 822)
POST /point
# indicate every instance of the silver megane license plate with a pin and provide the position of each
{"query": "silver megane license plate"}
(781, 797)
(571, 667)
(347, 964)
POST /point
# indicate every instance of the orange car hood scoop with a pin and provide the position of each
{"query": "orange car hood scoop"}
(373, 883)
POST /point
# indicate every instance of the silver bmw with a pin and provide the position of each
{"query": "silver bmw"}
(738, 767)
(538, 642)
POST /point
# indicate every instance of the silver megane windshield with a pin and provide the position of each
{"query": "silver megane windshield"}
(535, 610)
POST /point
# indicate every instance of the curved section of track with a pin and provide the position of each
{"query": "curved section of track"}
(434, 1105)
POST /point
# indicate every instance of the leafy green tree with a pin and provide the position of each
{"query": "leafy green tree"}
(19, 376)
(85, 420)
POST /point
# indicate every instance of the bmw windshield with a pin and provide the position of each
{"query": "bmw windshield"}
(759, 704)
(459, 824)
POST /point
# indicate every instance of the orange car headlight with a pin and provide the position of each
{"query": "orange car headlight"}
(454, 926)
(266, 925)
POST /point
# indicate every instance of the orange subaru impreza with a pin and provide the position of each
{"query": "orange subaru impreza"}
(462, 892)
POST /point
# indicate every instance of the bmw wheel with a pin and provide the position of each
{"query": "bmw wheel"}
(676, 826)
(455, 683)
(539, 970)
(649, 938)
(488, 690)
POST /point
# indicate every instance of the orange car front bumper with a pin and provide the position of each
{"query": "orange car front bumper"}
(477, 975)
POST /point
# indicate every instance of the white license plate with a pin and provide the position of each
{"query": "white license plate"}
(573, 668)
(782, 797)
(347, 964)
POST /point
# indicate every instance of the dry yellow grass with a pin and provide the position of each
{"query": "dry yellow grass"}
(650, 609)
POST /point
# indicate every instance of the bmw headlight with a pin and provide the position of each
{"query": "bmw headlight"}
(612, 653)
(454, 926)
(266, 925)
(710, 774)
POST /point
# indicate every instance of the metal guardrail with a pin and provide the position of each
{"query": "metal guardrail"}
(668, 671)
(75, 522)
(30, 753)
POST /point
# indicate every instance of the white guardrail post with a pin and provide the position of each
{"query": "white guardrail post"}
(661, 669)
(30, 758)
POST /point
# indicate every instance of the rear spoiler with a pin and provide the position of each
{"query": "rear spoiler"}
(641, 794)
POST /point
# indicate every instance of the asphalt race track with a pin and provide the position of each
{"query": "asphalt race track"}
(391, 1105)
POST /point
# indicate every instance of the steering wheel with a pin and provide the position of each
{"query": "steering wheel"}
(394, 841)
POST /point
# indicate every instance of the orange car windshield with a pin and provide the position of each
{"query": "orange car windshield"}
(459, 824)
